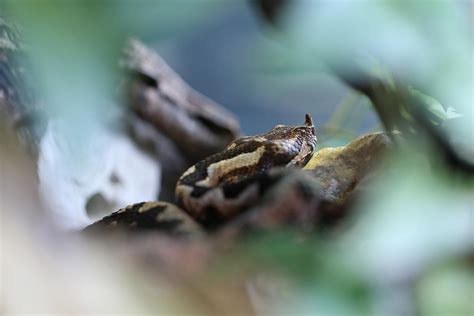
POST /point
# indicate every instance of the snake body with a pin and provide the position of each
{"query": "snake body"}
(222, 186)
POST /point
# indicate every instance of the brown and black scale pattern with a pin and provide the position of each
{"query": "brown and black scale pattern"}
(144, 216)
(271, 158)
(273, 155)
(254, 161)
(212, 219)
(283, 146)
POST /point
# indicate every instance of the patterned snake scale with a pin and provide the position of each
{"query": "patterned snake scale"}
(222, 186)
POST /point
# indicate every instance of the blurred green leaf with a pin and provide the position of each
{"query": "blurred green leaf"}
(446, 290)
(443, 113)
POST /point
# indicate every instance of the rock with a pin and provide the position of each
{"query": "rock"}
(85, 179)
(166, 152)
(339, 170)
(159, 96)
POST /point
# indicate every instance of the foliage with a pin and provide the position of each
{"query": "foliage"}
(406, 248)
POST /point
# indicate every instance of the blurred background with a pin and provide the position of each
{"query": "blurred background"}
(408, 246)
(225, 59)
(235, 58)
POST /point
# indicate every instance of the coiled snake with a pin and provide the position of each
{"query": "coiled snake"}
(224, 185)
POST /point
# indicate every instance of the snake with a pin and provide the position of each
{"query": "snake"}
(216, 189)
(221, 187)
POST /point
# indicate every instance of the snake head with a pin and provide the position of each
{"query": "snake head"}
(306, 138)
(297, 142)
(312, 139)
